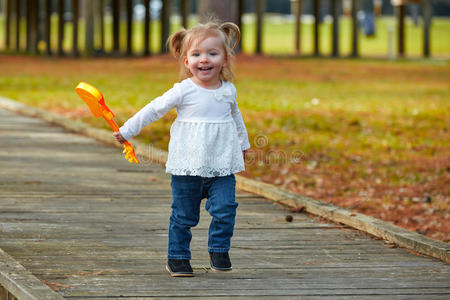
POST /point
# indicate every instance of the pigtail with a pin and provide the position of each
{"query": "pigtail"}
(231, 30)
(175, 42)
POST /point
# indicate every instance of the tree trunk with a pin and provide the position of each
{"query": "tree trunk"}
(129, 27)
(225, 11)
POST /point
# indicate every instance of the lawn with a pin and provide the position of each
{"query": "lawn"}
(369, 135)
(278, 36)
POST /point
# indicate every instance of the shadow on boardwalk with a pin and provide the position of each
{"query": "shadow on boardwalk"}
(89, 224)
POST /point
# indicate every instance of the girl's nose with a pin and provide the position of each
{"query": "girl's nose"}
(203, 58)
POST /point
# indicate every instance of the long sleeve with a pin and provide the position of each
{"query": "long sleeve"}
(240, 126)
(151, 112)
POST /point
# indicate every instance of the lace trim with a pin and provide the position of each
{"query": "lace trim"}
(205, 171)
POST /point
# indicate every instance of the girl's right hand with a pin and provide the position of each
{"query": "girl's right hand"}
(119, 137)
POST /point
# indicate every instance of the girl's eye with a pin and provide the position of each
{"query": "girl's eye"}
(195, 54)
(213, 53)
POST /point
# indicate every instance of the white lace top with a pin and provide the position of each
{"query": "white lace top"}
(207, 137)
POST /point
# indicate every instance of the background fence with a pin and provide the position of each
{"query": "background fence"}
(141, 27)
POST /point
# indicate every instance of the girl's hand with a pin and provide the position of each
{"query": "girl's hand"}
(119, 137)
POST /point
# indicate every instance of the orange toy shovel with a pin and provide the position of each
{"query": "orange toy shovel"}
(94, 99)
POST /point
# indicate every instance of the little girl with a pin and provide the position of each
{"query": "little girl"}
(208, 141)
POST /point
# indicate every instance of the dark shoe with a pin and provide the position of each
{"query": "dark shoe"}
(220, 261)
(179, 268)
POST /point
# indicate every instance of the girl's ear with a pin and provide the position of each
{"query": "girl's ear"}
(186, 62)
(226, 61)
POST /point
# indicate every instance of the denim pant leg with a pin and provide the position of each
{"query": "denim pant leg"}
(221, 205)
(186, 199)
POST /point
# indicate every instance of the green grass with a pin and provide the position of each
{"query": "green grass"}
(365, 125)
(278, 37)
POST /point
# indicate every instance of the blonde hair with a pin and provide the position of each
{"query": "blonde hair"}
(180, 42)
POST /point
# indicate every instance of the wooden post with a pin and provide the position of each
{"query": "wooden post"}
(7, 24)
(240, 24)
(298, 16)
(335, 37)
(316, 4)
(184, 11)
(147, 29)
(102, 25)
(60, 27)
(165, 24)
(129, 9)
(427, 15)
(75, 11)
(18, 18)
(89, 28)
(400, 10)
(48, 12)
(355, 50)
(260, 7)
(116, 21)
(32, 26)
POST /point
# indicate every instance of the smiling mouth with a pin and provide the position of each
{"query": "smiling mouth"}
(205, 68)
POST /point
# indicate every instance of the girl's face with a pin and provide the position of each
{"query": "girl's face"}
(205, 60)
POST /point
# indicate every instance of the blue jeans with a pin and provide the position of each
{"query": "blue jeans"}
(187, 194)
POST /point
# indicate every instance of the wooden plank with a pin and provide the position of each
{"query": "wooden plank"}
(20, 282)
(104, 230)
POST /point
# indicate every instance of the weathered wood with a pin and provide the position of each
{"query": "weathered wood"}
(20, 282)
(94, 225)
(376, 227)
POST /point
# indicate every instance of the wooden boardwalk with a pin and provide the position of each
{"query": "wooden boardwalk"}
(90, 225)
